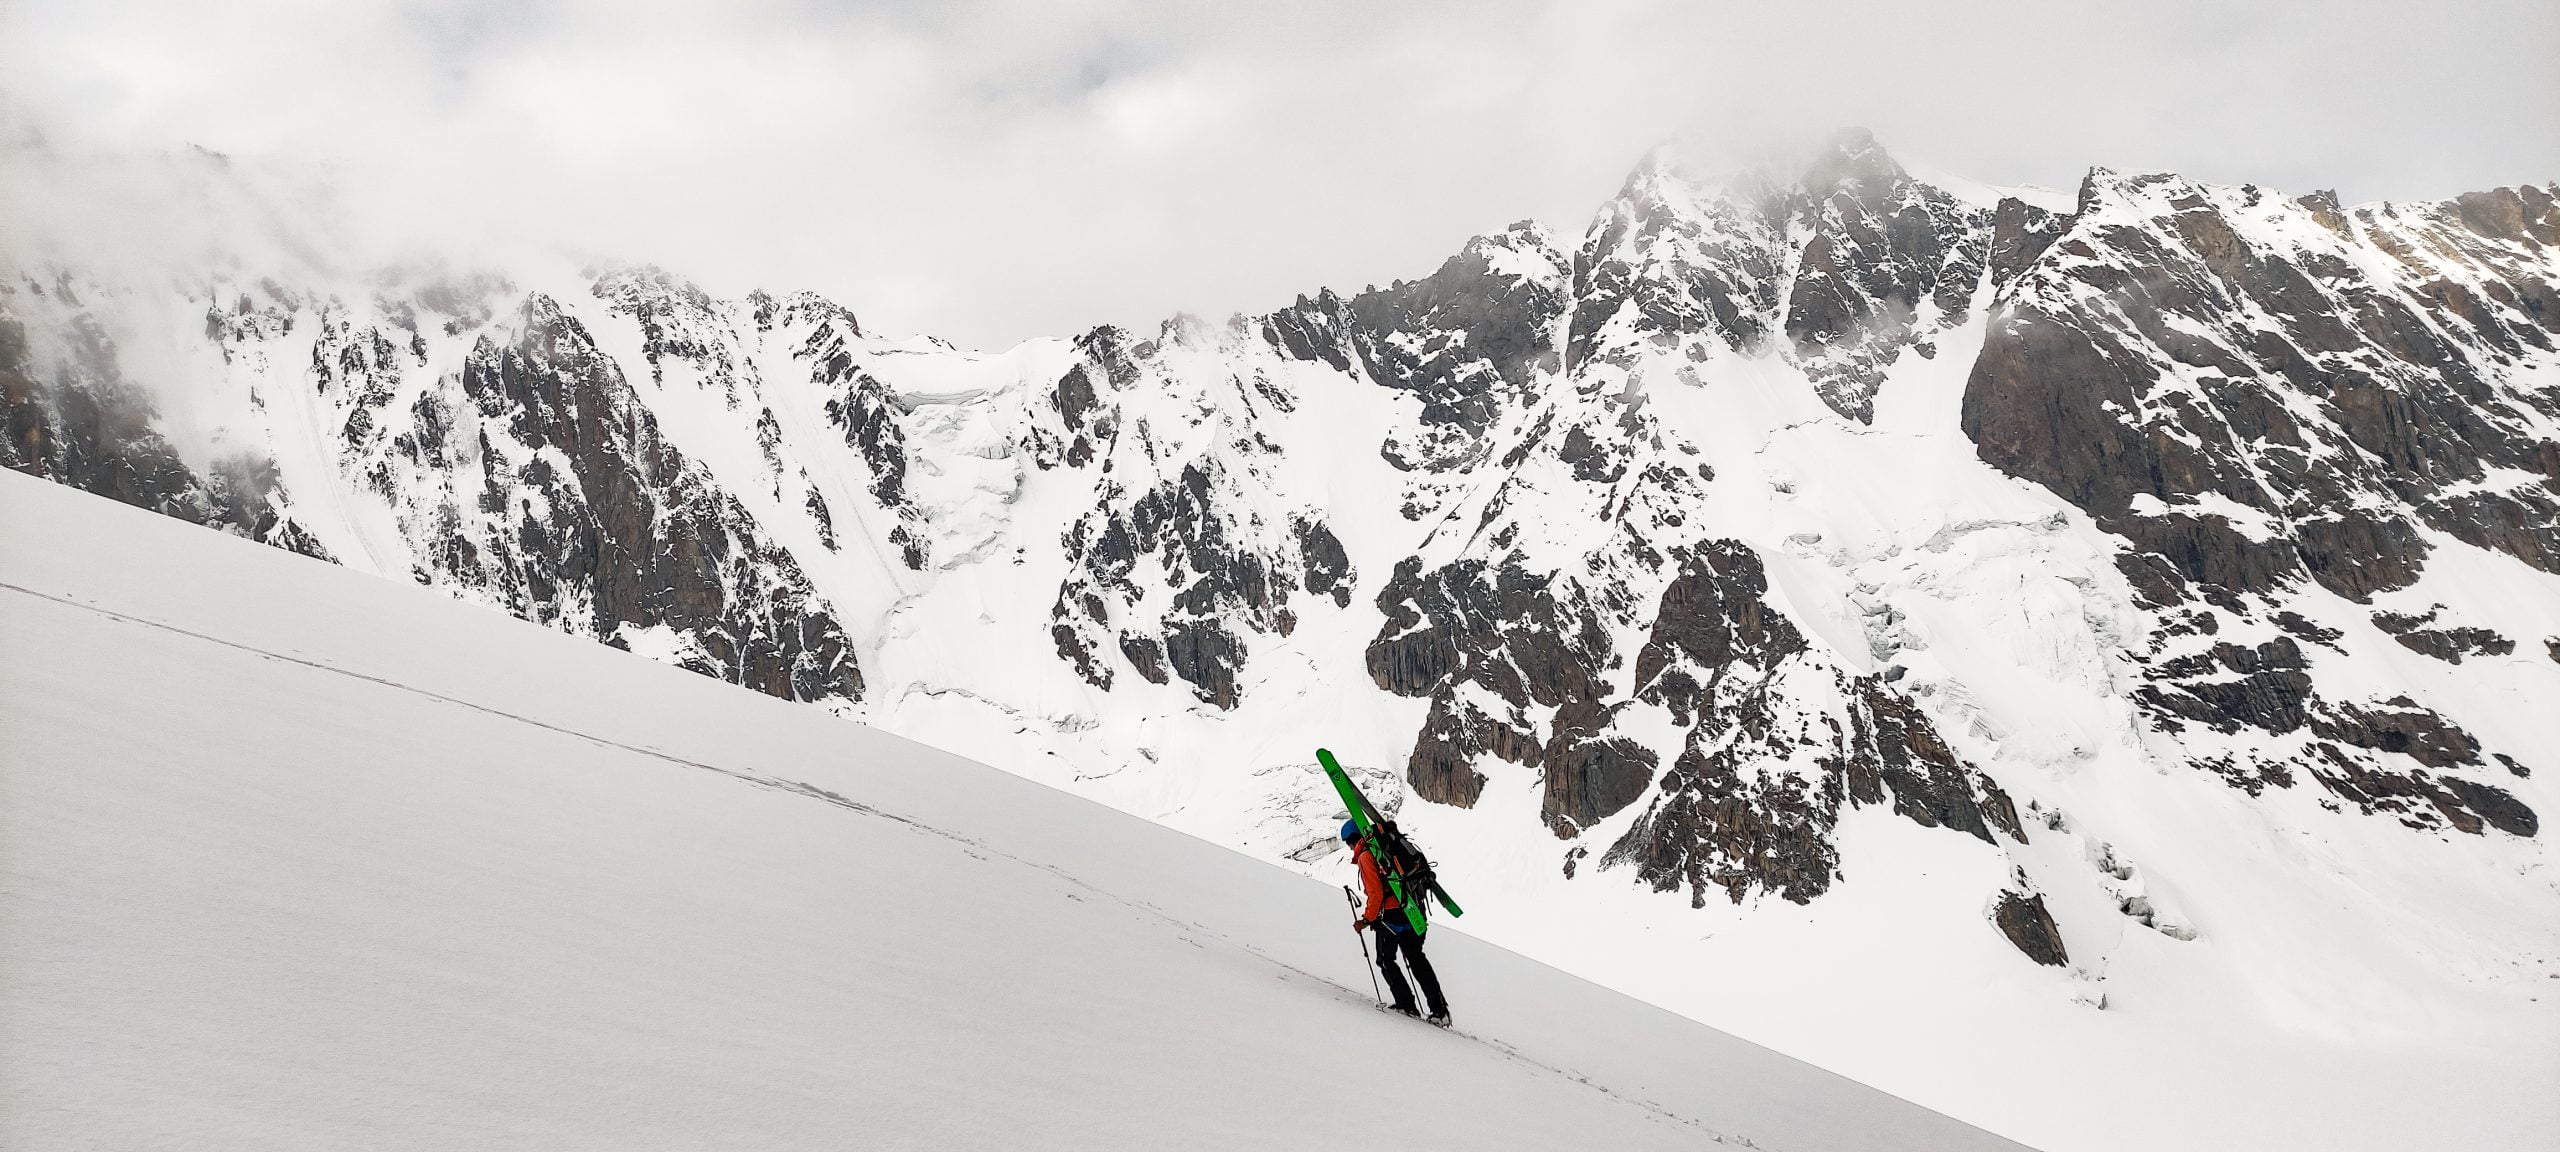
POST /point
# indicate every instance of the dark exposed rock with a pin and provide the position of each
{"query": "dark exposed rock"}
(1999, 811)
(1180, 526)
(2019, 234)
(1078, 649)
(1930, 786)
(816, 506)
(2301, 628)
(1880, 262)
(1662, 263)
(1590, 777)
(2447, 644)
(1881, 246)
(1074, 397)
(2071, 392)
(639, 532)
(1328, 567)
(1709, 830)
(1180, 574)
(2323, 206)
(2255, 415)
(1465, 341)
(2399, 726)
(1478, 324)
(1490, 642)
(1145, 654)
(1588, 460)
(2495, 805)
(867, 412)
(86, 426)
(1206, 655)
(2271, 693)
(1500, 632)
(1463, 628)
(629, 535)
(1442, 767)
(677, 321)
(1721, 822)
(2024, 920)
(1311, 329)
(1499, 628)
(2421, 799)
(1712, 621)
(803, 309)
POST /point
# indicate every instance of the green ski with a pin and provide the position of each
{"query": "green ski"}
(1366, 816)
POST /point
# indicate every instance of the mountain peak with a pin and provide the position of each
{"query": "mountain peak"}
(1852, 156)
(1849, 157)
(1660, 165)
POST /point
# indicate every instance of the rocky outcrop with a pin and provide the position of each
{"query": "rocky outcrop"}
(1468, 342)
(1712, 623)
(1851, 261)
(1485, 644)
(1174, 569)
(2024, 920)
(1777, 739)
(2449, 644)
(615, 530)
(1889, 262)
(79, 421)
(1770, 765)
(2267, 397)
(866, 412)
(2176, 327)
(1667, 259)
(526, 473)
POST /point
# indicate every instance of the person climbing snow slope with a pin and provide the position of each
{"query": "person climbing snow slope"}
(1384, 915)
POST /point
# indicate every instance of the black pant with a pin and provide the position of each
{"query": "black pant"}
(1391, 943)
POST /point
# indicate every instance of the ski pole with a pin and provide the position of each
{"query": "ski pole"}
(1365, 961)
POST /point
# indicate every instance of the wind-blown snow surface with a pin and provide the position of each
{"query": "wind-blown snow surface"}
(296, 858)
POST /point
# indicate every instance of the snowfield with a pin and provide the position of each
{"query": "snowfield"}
(294, 857)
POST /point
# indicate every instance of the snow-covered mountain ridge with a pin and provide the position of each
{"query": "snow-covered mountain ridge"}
(2176, 575)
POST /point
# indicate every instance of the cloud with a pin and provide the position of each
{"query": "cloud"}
(990, 171)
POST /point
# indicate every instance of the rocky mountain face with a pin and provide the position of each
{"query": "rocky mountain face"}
(1836, 271)
(2263, 396)
(1668, 547)
(79, 421)
(517, 468)
(1592, 626)
(1190, 547)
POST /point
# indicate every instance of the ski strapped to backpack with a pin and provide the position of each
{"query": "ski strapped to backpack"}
(1407, 872)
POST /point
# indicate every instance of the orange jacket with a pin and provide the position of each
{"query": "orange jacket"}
(1381, 901)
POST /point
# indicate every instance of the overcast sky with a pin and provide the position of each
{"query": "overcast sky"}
(988, 171)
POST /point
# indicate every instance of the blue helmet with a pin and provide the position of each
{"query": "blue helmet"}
(1351, 830)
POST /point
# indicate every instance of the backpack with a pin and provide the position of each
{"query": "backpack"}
(1406, 863)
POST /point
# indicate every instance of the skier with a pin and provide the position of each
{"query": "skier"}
(1384, 915)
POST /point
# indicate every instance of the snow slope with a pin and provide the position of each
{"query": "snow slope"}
(299, 858)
